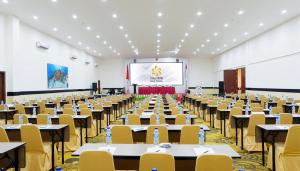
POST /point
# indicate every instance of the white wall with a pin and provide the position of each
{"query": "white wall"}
(272, 59)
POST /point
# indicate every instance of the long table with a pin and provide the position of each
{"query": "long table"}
(127, 156)
(12, 154)
(156, 90)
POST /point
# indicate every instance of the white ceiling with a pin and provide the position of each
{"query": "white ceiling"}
(140, 20)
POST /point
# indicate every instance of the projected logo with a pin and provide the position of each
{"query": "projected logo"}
(156, 74)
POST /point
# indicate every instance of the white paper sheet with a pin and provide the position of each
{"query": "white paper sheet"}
(203, 150)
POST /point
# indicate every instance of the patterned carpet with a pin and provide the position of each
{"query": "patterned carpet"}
(249, 161)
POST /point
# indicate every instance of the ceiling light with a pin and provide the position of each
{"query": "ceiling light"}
(158, 41)
(35, 17)
(157, 50)
(79, 43)
(54, 0)
(126, 35)
(159, 26)
(241, 12)
(132, 47)
(202, 45)
(110, 47)
(226, 25)
(159, 14)
(158, 46)
(234, 40)
(95, 51)
(199, 13)
(115, 51)
(104, 1)
(192, 26)
(186, 34)
(115, 16)
(129, 41)
(88, 28)
(261, 24)
(74, 16)
(4, 1)
(197, 49)
(216, 34)
(246, 33)
(118, 54)
(225, 45)
(283, 11)
(99, 54)
(194, 53)
(179, 46)
(87, 48)
(158, 35)
(213, 53)
(69, 37)
(98, 36)
(182, 40)
(218, 49)
(55, 29)
(207, 40)
(157, 53)
(104, 42)
(121, 27)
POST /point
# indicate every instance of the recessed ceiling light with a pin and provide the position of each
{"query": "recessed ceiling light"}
(240, 12)
(283, 11)
(132, 47)
(157, 53)
(225, 45)
(158, 46)
(179, 46)
(129, 41)
(118, 54)
(226, 25)
(186, 34)
(94, 51)
(159, 26)
(87, 48)
(158, 41)
(104, 1)
(157, 50)
(202, 45)
(197, 49)
(158, 35)
(74, 16)
(218, 49)
(104, 42)
(5, 1)
(69, 37)
(55, 29)
(99, 54)
(261, 24)
(126, 35)
(192, 26)
(159, 14)
(115, 51)
(35, 17)
(121, 27)
(234, 40)
(182, 40)
(246, 33)
(194, 53)
(213, 53)
(54, 0)
(199, 13)
(207, 40)
(79, 43)
(88, 28)
(115, 16)
(98, 36)
(216, 33)
(110, 47)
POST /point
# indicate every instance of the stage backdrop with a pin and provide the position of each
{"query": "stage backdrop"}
(57, 76)
(156, 73)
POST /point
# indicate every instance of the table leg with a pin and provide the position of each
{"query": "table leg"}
(263, 146)
(86, 130)
(242, 135)
(63, 146)
(273, 153)
(221, 127)
(97, 124)
(16, 163)
(224, 125)
(210, 117)
(81, 135)
(213, 120)
(6, 118)
(236, 132)
(52, 151)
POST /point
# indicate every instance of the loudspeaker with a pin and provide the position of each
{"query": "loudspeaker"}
(99, 87)
(94, 87)
(134, 88)
(221, 88)
(134, 61)
(177, 60)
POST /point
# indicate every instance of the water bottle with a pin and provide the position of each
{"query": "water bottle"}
(49, 120)
(75, 110)
(92, 106)
(54, 111)
(201, 136)
(180, 110)
(154, 169)
(277, 119)
(108, 136)
(266, 105)
(229, 106)
(187, 119)
(34, 111)
(241, 169)
(156, 137)
(157, 119)
(293, 109)
(126, 119)
(20, 119)
(58, 168)
(270, 110)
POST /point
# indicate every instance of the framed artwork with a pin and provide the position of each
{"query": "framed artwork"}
(57, 76)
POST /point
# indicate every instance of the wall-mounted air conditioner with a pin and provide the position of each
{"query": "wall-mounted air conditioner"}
(42, 45)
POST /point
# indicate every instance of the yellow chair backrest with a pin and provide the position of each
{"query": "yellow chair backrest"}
(239, 105)
(140, 110)
(68, 120)
(281, 102)
(252, 105)
(160, 161)
(162, 119)
(180, 119)
(20, 108)
(222, 105)
(80, 102)
(277, 110)
(83, 106)
(68, 106)
(42, 106)
(49, 111)
(31, 135)
(42, 119)
(85, 111)
(163, 134)
(214, 162)
(3, 135)
(255, 119)
(107, 103)
(134, 119)
(16, 118)
(68, 111)
(257, 109)
(286, 118)
(236, 111)
(189, 134)
(97, 107)
(121, 134)
(175, 110)
(96, 161)
(292, 142)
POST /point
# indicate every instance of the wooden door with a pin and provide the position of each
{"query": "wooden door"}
(2, 86)
(231, 81)
(243, 78)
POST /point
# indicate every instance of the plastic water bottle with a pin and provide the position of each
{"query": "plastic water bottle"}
(58, 168)
(157, 119)
(154, 169)
(270, 110)
(49, 120)
(156, 137)
(108, 136)
(180, 110)
(54, 111)
(293, 108)
(266, 105)
(34, 111)
(201, 136)
(75, 110)
(247, 110)
(21, 119)
(241, 169)
(277, 119)
(187, 119)
(126, 119)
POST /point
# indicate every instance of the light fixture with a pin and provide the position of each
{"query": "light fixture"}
(121, 27)
(126, 35)
(261, 24)
(88, 28)
(158, 35)
(283, 11)
(179, 46)
(87, 48)
(218, 49)
(74, 16)
(115, 51)
(54, 0)
(226, 25)
(216, 33)
(79, 43)
(159, 14)
(98, 36)
(104, 42)
(158, 41)
(69, 37)
(234, 40)
(240, 12)
(192, 26)
(129, 41)
(55, 29)
(118, 54)
(207, 40)
(202, 45)
(95, 51)
(182, 40)
(194, 53)
(186, 34)
(225, 45)
(115, 16)
(158, 46)
(159, 26)
(157, 50)
(132, 47)
(213, 53)
(157, 53)
(199, 13)
(35, 17)
(197, 49)
(110, 47)
(5, 1)
(104, 1)
(99, 54)
(246, 33)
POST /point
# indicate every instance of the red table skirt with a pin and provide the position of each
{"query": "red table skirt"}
(156, 90)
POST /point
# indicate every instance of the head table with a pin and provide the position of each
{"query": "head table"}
(156, 90)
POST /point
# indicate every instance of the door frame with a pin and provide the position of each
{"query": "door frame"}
(4, 84)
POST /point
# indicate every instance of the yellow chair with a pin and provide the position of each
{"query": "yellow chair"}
(241, 105)
(91, 131)
(175, 111)
(49, 111)
(96, 161)
(38, 154)
(162, 119)
(74, 142)
(134, 119)
(189, 134)
(81, 106)
(42, 106)
(163, 134)
(214, 162)
(180, 119)
(249, 139)
(80, 102)
(121, 134)
(252, 105)
(3, 135)
(160, 161)
(277, 110)
(16, 119)
(286, 118)
(257, 109)
(20, 108)
(1, 107)
(217, 120)
(68, 111)
(230, 132)
(97, 107)
(68, 106)
(42, 119)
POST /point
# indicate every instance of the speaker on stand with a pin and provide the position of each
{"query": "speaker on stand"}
(94, 88)
(134, 88)
(221, 88)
